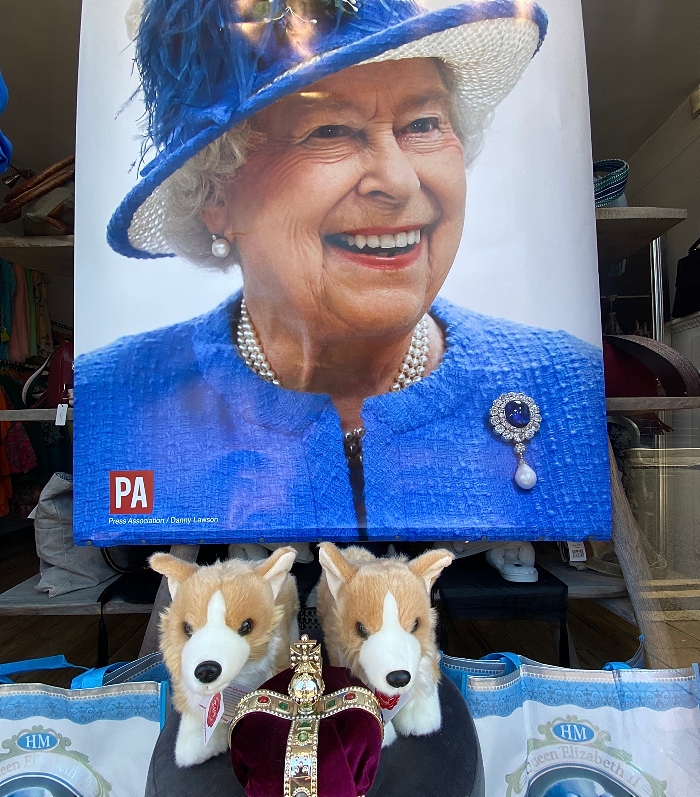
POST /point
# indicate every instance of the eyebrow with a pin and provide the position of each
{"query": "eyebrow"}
(313, 99)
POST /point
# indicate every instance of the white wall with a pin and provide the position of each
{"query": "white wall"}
(665, 172)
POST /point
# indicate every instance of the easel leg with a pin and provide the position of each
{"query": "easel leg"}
(150, 639)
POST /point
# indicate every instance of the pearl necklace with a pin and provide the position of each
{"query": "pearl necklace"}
(410, 372)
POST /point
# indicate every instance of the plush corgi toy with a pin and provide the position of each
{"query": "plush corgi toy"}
(233, 620)
(377, 621)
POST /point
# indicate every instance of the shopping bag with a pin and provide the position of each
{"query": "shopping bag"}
(93, 740)
(553, 732)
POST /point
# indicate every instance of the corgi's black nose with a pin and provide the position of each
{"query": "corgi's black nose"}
(398, 678)
(208, 671)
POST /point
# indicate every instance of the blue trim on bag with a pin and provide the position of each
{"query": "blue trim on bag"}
(34, 665)
(84, 709)
(513, 688)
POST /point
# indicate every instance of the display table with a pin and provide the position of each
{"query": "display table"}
(470, 589)
(447, 763)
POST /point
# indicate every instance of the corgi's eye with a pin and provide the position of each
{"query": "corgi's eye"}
(187, 628)
(246, 627)
(415, 626)
(362, 631)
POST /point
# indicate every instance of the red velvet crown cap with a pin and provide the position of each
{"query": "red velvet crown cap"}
(349, 745)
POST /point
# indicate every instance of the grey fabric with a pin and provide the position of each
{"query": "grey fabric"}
(64, 566)
(446, 764)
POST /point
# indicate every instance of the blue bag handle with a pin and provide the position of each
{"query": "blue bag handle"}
(94, 678)
(635, 663)
(511, 660)
(30, 665)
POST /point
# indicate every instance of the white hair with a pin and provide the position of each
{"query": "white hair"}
(202, 180)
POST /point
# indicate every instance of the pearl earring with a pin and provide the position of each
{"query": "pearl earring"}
(220, 247)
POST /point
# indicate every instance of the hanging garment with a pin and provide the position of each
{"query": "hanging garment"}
(44, 337)
(13, 390)
(32, 312)
(19, 337)
(5, 480)
(7, 294)
(20, 453)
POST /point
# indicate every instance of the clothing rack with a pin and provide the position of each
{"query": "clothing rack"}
(61, 327)
(16, 365)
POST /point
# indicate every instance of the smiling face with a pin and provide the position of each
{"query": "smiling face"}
(349, 212)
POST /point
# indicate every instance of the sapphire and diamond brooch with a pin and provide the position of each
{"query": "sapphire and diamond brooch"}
(516, 417)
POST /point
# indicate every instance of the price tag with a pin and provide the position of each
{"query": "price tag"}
(61, 414)
(213, 711)
(577, 552)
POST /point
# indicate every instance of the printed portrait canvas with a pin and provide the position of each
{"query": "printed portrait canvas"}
(336, 275)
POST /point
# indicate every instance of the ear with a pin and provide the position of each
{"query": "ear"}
(429, 565)
(336, 567)
(174, 569)
(215, 218)
(275, 568)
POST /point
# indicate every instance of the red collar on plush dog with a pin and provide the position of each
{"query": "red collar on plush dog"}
(387, 702)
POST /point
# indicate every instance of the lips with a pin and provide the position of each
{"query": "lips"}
(377, 248)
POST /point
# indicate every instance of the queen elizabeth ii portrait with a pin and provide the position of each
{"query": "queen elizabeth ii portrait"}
(320, 146)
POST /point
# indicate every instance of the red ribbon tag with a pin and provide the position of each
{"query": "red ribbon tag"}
(213, 710)
(387, 702)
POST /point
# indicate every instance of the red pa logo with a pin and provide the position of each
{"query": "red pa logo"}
(130, 492)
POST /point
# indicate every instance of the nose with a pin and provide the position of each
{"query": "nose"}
(389, 176)
(398, 678)
(207, 672)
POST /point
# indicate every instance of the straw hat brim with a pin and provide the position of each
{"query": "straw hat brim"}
(487, 44)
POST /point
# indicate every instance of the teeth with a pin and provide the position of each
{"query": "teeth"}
(385, 241)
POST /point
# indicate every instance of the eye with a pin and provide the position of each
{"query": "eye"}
(187, 628)
(331, 131)
(362, 631)
(246, 627)
(415, 626)
(426, 125)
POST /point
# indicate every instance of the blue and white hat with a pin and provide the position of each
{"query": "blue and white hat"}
(207, 65)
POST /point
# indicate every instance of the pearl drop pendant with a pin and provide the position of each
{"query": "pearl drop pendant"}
(525, 476)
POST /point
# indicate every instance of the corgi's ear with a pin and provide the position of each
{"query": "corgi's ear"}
(429, 565)
(274, 569)
(336, 567)
(174, 569)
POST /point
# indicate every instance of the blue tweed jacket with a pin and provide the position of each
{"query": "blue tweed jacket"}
(236, 458)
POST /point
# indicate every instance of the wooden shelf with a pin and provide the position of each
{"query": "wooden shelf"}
(40, 252)
(616, 406)
(32, 415)
(624, 231)
(24, 599)
(583, 584)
